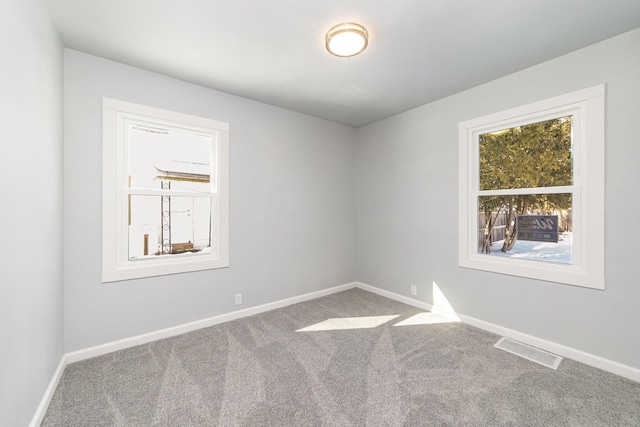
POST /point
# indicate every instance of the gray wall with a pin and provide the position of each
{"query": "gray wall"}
(407, 201)
(31, 302)
(293, 215)
(292, 207)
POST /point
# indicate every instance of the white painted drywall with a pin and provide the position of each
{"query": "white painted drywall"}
(31, 302)
(292, 207)
(407, 201)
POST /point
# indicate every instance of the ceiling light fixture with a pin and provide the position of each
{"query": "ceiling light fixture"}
(347, 39)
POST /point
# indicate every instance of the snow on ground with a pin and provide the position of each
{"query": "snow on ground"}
(541, 251)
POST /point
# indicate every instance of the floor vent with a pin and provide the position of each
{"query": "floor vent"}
(530, 353)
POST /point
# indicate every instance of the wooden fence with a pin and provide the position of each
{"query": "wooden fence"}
(497, 233)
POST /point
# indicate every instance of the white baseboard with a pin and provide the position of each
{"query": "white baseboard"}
(99, 350)
(396, 297)
(48, 394)
(559, 349)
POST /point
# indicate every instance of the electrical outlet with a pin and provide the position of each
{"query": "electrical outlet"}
(414, 290)
(238, 299)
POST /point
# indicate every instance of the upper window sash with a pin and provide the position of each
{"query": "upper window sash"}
(131, 122)
(576, 111)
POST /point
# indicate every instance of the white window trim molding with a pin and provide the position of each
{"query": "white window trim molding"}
(588, 267)
(115, 266)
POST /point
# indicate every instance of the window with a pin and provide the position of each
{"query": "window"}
(165, 192)
(531, 190)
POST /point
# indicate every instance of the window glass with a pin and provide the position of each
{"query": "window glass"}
(169, 225)
(165, 153)
(542, 223)
(516, 223)
(528, 156)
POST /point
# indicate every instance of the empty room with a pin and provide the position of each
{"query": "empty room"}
(295, 213)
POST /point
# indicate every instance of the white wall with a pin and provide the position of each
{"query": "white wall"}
(31, 302)
(292, 207)
(407, 190)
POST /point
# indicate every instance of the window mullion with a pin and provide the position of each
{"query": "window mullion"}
(176, 193)
(526, 191)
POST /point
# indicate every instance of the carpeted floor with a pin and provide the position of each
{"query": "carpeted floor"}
(265, 371)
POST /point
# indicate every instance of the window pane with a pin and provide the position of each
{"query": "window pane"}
(541, 224)
(530, 156)
(168, 225)
(159, 154)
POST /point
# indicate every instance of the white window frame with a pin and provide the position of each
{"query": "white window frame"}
(115, 263)
(587, 269)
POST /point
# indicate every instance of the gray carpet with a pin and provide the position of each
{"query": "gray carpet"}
(259, 371)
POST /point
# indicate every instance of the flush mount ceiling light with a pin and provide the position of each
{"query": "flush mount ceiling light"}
(347, 39)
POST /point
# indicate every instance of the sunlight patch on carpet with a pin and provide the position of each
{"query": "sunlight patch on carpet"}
(425, 319)
(340, 323)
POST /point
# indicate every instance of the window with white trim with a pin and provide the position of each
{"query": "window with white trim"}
(531, 190)
(165, 192)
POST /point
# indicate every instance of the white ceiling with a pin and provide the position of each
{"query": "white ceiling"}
(273, 51)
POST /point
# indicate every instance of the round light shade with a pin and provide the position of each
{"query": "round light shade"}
(347, 39)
